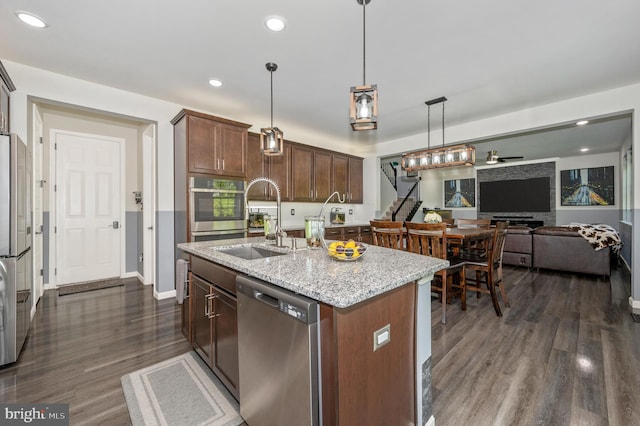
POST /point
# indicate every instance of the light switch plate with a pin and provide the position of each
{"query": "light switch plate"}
(350, 211)
(293, 212)
(381, 337)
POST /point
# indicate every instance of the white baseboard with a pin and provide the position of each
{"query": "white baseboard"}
(164, 294)
(431, 421)
(129, 274)
(635, 304)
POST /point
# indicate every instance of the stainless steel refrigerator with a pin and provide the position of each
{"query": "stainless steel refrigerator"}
(15, 246)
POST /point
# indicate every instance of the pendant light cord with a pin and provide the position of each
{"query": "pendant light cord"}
(443, 123)
(271, 72)
(428, 126)
(364, 43)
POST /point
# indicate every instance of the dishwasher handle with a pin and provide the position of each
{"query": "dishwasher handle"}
(287, 302)
(265, 298)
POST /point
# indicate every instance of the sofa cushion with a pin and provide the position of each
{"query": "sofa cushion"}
(566, 231)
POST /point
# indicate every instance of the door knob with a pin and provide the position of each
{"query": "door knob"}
(150, 228)
(115, 224)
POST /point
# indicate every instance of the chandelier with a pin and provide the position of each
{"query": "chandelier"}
(443, 156)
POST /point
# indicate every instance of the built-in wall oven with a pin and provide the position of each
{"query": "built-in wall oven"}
(216, 207)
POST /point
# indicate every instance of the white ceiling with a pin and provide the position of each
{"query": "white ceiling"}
(486, 57)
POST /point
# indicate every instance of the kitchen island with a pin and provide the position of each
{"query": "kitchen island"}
(357, 299)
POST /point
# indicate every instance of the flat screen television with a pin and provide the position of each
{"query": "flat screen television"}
(516, 195)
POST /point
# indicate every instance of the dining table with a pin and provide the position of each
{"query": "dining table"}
(459, 237)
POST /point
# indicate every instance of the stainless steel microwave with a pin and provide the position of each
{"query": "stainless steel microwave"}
(216, 204)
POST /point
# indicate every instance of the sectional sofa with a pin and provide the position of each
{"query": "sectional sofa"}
(560, 248)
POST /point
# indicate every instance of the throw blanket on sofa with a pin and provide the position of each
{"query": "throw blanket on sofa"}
(601, 236)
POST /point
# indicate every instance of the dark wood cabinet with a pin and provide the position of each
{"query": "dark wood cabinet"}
(214, 320)
(6, 87)
(347, 177)
(340, 175)
(279, 168)
(355, 180)
(276, 168)
(345, 233)
(214, 146)
(256, 168)
(366, 235)
(322, 175)
(302, 172)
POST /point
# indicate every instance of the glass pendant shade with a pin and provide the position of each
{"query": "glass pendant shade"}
(271, 141)
(363, 108)
(271, 138)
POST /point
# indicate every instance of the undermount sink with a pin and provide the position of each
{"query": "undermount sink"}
(250, 252)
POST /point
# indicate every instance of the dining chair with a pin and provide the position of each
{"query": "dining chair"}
(485, 272)
(388, 234)
(476, 248)
(430, 239)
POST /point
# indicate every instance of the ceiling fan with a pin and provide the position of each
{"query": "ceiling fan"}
(494, 158)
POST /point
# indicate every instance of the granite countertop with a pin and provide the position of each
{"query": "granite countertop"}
(314, 274)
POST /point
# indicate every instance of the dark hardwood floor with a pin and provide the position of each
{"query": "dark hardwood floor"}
(566, 353)
(80, 345)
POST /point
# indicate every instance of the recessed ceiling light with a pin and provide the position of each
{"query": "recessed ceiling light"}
(275, 23)
(582, 122)
(215, 83)
(584, 149)
(31, 19)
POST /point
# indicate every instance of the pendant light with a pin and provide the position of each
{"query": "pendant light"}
(444, 156)
(271, 138)
(363, 105)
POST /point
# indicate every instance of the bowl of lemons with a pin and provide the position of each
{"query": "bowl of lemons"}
(346, 250)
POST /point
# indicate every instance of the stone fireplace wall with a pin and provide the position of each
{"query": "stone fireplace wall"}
(524, 171)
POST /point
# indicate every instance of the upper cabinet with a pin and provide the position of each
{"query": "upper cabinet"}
(347, 177)
(6, 87)
(277, 168)
(304, 173)
(214, 145)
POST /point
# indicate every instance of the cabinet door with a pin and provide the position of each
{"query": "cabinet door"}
(256, 167)
(201, 140)
(231, 151)
(322, 175)
(366, 236)
(201, 325)
(225, 339)
(355, 180)
(280, 173)
(351, 234)
(340, 175)
(302, 173)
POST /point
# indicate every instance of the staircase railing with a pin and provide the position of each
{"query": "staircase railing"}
(413, 195)
(391, 172)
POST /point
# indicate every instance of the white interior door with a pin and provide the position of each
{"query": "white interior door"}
(37, 245)
(88, 207)
(148, 203)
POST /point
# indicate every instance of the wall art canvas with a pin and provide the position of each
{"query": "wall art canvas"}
(460, 193)
(587, 187)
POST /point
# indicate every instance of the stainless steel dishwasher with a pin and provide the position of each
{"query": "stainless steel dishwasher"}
(278, 355)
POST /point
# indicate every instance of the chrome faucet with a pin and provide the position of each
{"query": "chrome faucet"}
(279, 232)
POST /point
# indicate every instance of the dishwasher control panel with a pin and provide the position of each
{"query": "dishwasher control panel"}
(294, 311)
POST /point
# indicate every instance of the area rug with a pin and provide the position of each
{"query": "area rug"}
(180, 391)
